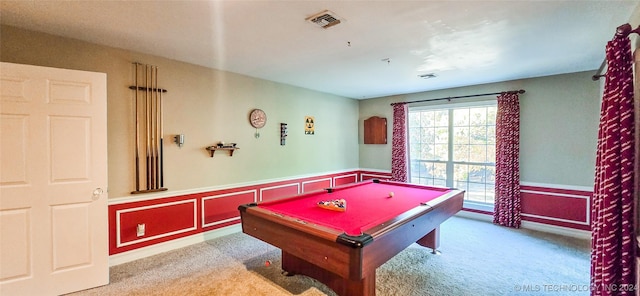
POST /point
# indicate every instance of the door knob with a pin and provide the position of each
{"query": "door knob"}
(96, 193)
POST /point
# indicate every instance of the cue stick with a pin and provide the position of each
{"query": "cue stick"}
(153, 129)
(146, 119)
(160, 122)
(152, 146)
(137, 133)
(155, 133)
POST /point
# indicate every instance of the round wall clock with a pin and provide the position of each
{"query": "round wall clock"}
(257, 118)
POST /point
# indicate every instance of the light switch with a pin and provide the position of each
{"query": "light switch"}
(140, 230)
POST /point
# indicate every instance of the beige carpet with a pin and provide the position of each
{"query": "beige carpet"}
(478, 258)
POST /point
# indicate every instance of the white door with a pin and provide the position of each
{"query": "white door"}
(53, 179)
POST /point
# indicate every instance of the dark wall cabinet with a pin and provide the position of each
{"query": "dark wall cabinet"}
(375, 130)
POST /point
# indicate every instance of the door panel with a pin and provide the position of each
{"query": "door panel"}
(53, 178)
(15, 224)
(69, 235)
(13, 141)
(69, 145)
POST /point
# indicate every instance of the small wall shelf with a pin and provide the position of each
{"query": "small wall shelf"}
(212, 149)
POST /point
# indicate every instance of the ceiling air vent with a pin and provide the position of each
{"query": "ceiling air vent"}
(324, 19)
(427, 76)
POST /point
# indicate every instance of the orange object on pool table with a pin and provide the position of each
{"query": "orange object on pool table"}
(343, 249)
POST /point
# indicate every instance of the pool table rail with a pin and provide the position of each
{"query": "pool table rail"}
(456, 195)
(321, 231)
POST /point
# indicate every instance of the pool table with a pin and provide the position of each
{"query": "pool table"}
(342, 249)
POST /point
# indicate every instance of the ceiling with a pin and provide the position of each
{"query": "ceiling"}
(379, 48)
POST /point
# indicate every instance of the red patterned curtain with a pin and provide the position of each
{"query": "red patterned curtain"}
(612, 220)
(399, 155)
(507, 199)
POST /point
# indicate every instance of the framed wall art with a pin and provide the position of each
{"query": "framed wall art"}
(309, 125)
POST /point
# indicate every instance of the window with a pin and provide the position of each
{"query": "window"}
(454, 146)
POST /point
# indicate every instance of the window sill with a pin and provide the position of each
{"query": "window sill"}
(485, 207)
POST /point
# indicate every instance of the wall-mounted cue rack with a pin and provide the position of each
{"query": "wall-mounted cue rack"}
(149, 129)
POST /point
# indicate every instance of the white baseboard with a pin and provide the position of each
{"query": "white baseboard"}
(566, 231)
(136, 254)
(475, 216)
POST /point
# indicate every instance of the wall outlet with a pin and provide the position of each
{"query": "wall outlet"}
(140, 230)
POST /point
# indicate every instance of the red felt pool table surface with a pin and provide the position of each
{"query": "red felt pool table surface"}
(368, 205)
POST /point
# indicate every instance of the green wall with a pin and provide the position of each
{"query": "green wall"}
(558, 126)
(207, 106)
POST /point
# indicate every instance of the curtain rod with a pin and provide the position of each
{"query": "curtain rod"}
(621, 31)
(520, 91)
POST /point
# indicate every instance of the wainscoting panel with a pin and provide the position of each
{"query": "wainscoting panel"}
(223, 208)
(556, 206)
(279, 191)
(367, 175)
(345, 179)
(159, 220)
(316, 185)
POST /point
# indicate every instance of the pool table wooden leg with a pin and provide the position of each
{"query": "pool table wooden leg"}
(431, 240)
(366, 286)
